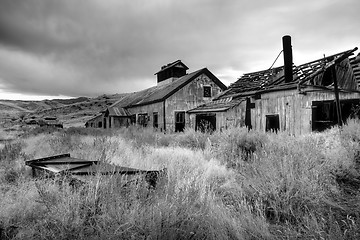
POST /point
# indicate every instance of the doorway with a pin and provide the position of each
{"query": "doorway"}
(179, 121)
(205, 122)
(324, 113)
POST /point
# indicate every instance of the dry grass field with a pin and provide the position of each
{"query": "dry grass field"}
(230, 185)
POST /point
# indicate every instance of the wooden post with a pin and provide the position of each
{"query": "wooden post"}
(248, 114)
(337, 100)
(164, 112)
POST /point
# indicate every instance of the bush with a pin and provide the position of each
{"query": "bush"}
(11, 151)
(351, 130)
(11, 175)
(236, 145)
(191, 139)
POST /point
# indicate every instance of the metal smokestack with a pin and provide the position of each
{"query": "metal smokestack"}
(288, 59)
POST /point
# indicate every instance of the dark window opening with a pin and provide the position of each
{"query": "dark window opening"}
(104, 122)
(176, 72)
(324, 113)
(99, 124)
(272, 123)
(155, 120)
(205, 122)
(133, 119)
(143, 119)
(179, 121)
(207, 91)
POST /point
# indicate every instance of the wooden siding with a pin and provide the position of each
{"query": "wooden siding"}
(150, 109)
(117, 122)
(294, 109)
(189, 97)
(234, 117)
(345, 76)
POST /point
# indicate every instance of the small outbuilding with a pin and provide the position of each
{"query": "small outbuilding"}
(96, 121)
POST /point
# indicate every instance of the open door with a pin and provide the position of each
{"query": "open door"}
(205, 122)
(324, 113)
(179, 121)
(248, 114)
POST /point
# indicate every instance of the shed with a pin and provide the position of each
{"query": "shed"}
(96, 121)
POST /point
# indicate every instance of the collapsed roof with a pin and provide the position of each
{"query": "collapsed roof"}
(311, 73)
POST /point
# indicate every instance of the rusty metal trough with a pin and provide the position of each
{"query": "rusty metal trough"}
(64, 164)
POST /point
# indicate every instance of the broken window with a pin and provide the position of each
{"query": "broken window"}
(133, 119)
(205, 122)
(179, 121)
(324, 113)
(272, 123)
(143, 119)
(99, 124)
(155, 120)
(207, 91)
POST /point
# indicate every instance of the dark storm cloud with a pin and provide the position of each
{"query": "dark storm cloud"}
(90, 47)
(37, 26)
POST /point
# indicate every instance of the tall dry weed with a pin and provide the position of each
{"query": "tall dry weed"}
(230, 185)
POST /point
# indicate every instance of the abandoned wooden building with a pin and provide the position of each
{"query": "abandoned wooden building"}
(294, 99)
(95, 122)
(163, 106)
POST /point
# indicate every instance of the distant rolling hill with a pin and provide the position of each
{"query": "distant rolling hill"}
(71, 112)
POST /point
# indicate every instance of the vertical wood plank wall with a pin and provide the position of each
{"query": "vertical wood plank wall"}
(294, 109)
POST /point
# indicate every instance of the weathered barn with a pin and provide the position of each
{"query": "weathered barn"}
(299, 102)
(164, 106)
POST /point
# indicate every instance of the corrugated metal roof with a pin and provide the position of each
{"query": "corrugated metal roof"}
(64, 163)
(118, 111)
(84, 170)
(220, 105)
(158, 93)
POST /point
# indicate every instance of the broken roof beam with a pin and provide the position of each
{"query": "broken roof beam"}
(327, 65)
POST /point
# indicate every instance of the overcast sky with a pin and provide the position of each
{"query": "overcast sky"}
(55, 48)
